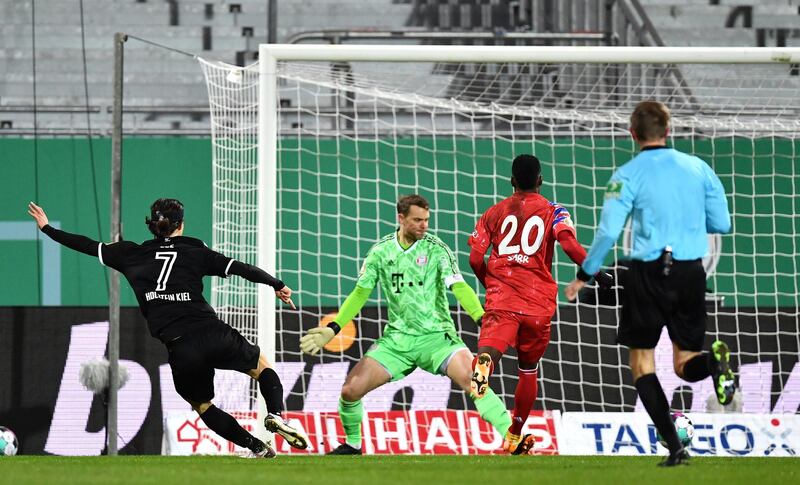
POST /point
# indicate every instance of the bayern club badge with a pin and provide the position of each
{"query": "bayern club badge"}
(422, 260)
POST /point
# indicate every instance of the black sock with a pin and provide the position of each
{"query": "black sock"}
(226, 426)
(698, 368)
(272, 390)
(655, 402)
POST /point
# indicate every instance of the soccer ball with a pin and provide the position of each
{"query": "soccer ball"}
(684, 427)
(8, 442)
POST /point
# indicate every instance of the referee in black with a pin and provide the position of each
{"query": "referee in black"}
(166, 274)
(675, 200)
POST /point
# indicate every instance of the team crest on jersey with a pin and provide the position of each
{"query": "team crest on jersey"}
(475, 233)
(422, 260)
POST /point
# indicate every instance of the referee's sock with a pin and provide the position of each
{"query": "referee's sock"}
(698, 367)
(655, 402)
(226, 426)
(270, 385)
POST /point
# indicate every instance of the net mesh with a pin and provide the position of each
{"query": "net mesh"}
(233, 100)
(353, 137)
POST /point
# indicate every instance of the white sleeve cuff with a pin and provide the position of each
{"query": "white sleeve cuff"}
(228, 268)
(100, 254)
(453, 279)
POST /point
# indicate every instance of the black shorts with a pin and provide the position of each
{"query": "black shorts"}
(651, 300)
(210, 345)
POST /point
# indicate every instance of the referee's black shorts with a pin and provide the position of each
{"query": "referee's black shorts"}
(651, 300)
(210, 345)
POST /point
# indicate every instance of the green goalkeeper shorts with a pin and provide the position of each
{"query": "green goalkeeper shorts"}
(400, 354)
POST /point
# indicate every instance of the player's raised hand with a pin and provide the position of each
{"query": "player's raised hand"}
(285, 295)
(38, 214)
(572, 289)
(316, 338)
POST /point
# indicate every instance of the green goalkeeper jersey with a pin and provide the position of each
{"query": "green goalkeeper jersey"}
(414, 281)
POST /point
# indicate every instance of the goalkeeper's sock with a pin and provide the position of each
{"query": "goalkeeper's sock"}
(524, 397)
(655, 402)
(270, 385)
(351, 414)
(493, 411)
(698, 367)
(226, 426)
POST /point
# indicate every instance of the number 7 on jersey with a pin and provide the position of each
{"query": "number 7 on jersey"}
(169, 258)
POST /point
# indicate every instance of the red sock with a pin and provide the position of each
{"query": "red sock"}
(475, 361)
(524, 397)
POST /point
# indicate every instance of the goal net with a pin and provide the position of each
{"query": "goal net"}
(343, 138)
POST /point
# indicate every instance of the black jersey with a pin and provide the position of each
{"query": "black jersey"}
(167, 276)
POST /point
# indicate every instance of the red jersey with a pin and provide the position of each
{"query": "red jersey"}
(522, 231)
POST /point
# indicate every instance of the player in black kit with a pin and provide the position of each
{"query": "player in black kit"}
(166, 273)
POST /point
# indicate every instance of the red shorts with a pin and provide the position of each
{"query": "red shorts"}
(528, 334)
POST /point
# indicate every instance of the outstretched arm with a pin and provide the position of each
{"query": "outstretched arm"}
(478, 265)
(316, 338)
(352, 305)
(469, 300)
(619, 197)
(73, 241)
(577, 254)
(258, 275)
(254, 274)
(571, 246)
(616, 208)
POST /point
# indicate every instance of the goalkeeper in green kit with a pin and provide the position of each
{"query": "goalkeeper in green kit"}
(414, 269)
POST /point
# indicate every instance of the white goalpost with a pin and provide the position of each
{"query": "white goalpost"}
(314, 143)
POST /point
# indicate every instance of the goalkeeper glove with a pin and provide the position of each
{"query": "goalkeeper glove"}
(316, 338)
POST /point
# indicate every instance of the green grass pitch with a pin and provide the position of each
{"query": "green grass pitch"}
(426, 470)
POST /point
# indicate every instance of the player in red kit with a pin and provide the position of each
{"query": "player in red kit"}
(520, 290)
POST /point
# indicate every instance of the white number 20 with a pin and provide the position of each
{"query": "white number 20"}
(511, 220)
(169, 258)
